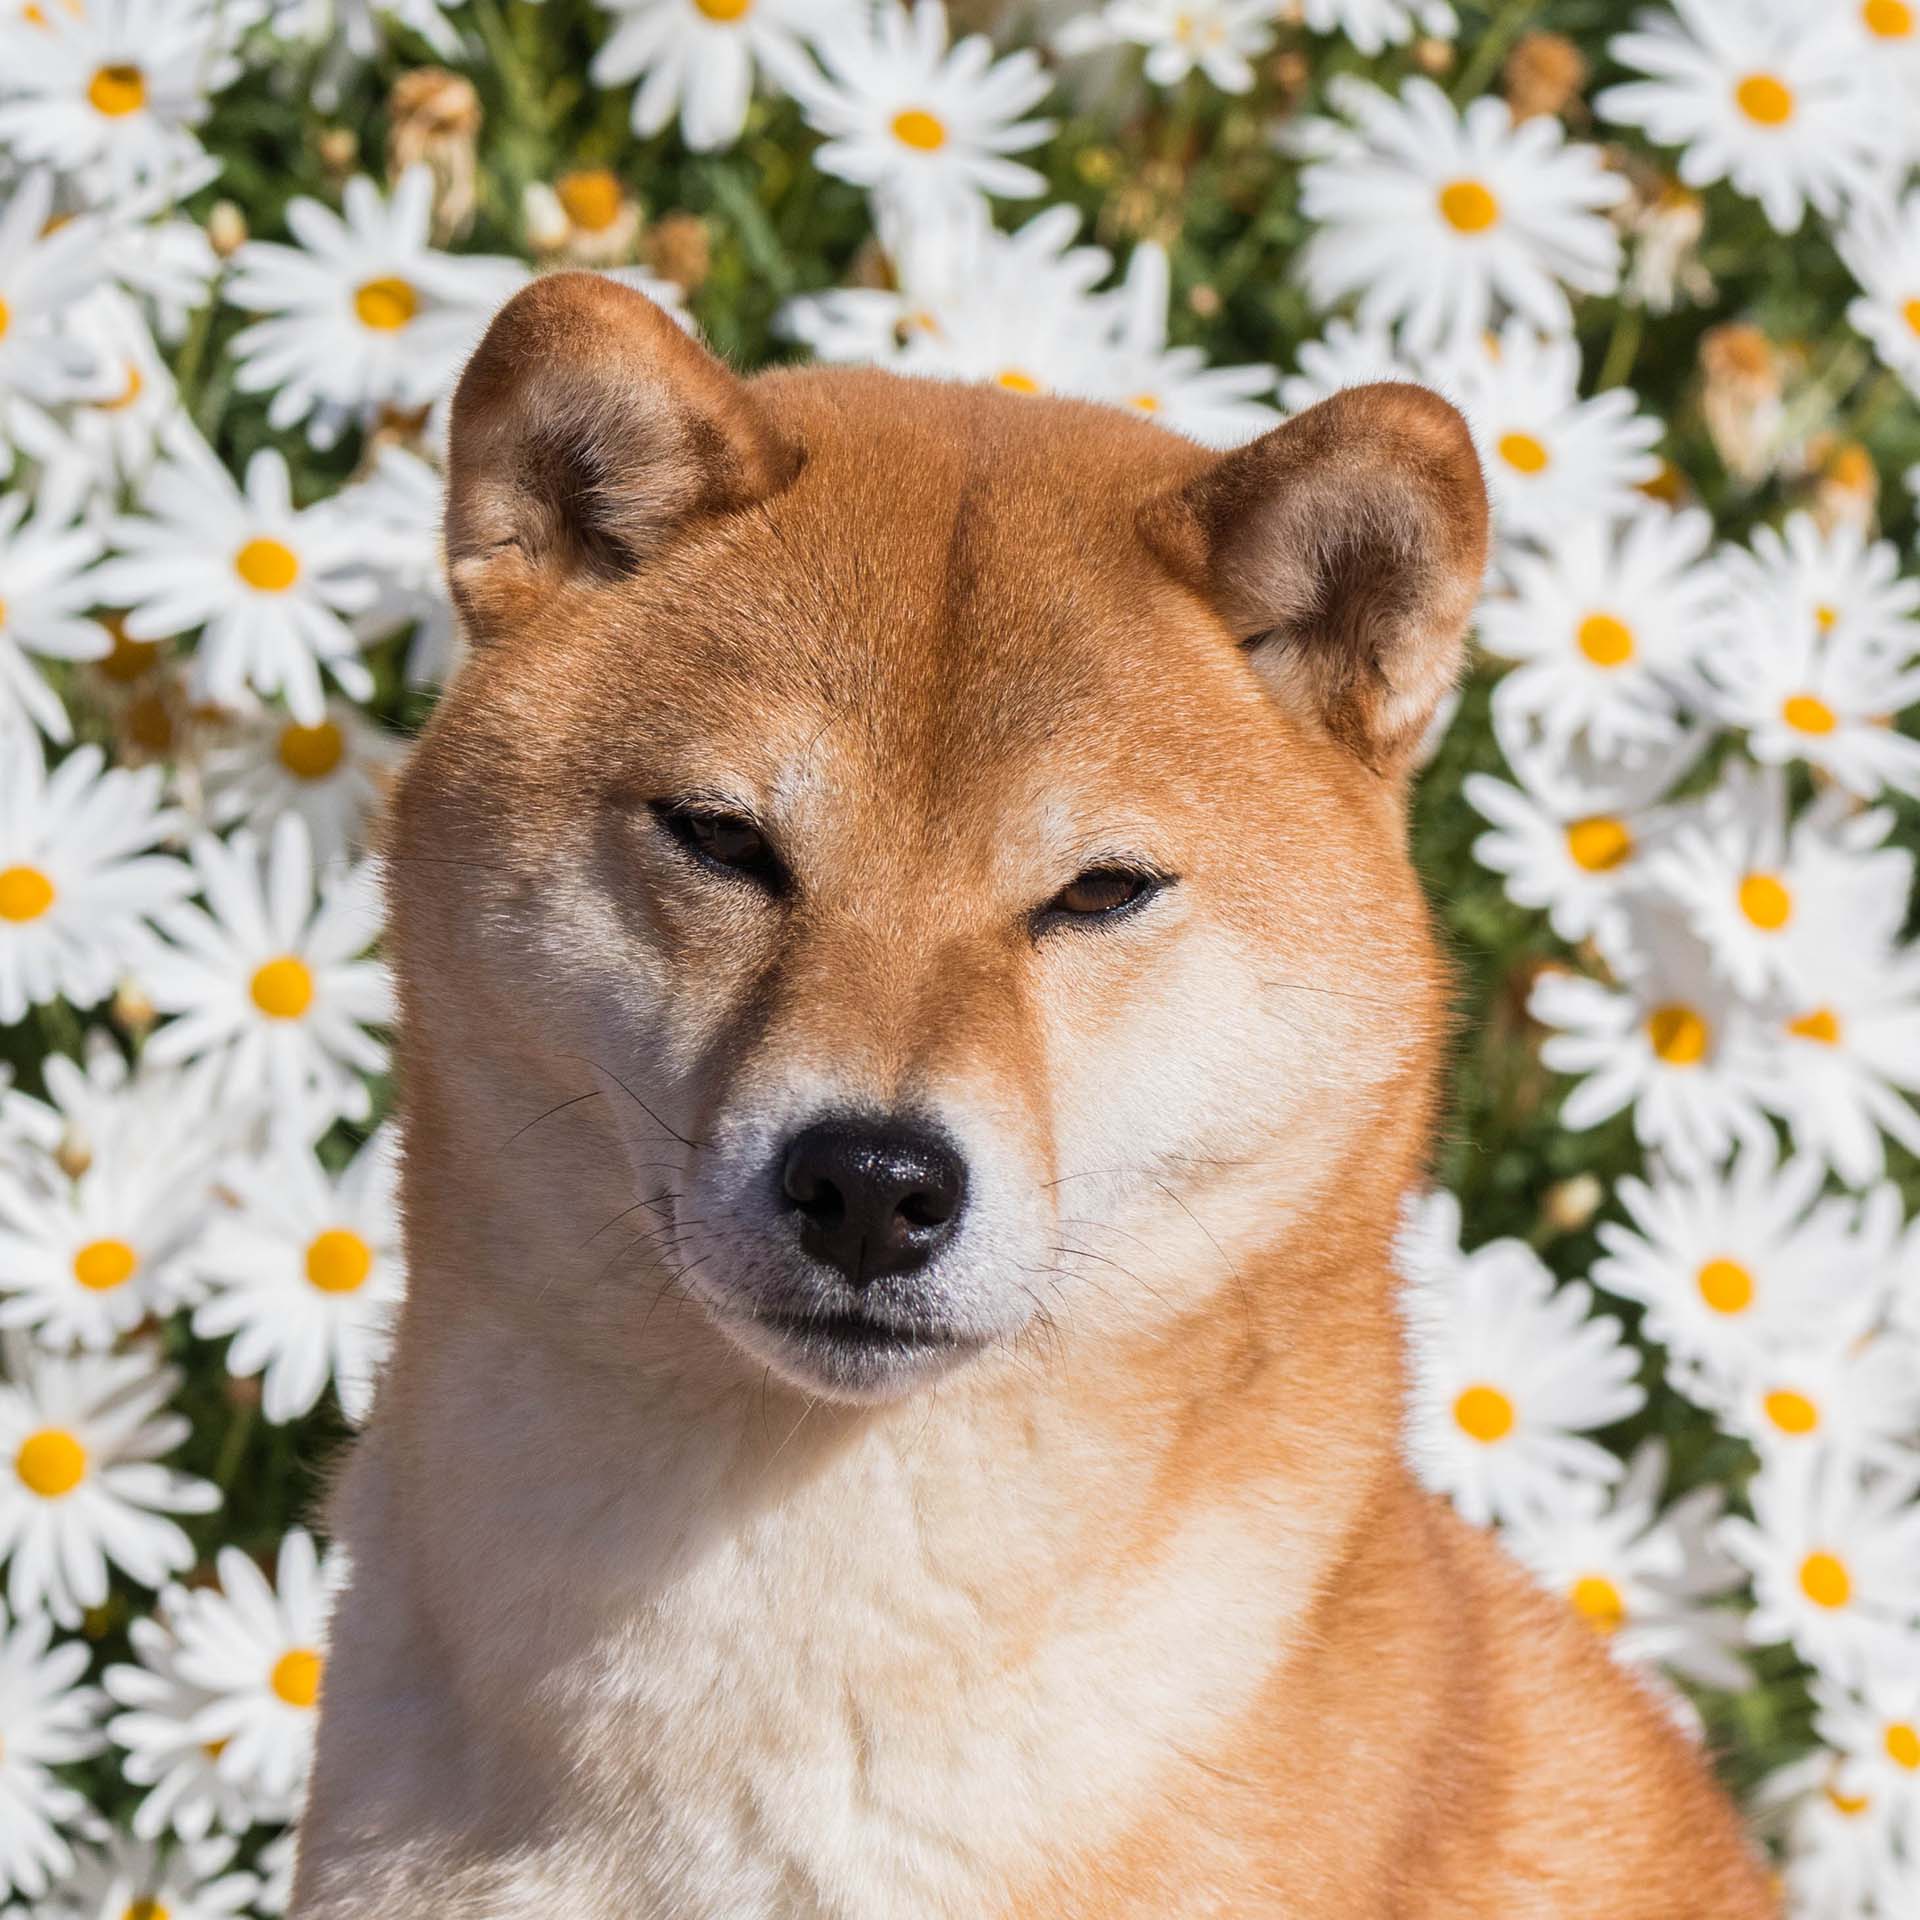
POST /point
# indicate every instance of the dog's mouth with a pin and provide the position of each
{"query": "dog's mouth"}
(857, 1354)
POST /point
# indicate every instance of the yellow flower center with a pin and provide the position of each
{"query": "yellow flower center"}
(296, 1676)
(1765, 902)
(1725, 1285)
(1017, 382)
(102, 1265)
(1889, 19)
(385, 305)
(1599, 1603)
(1605, 641)
(1599, 843)
(1791, 1412)
(1825, 1581)
(920, 130)
(282, 989)
(1765, 99)
(267, 566)
(25, 893)
(725, 11)
(1853, 1805)
(51, 1463)
(1485, 1414)
(311, 753)
(1808, 713)
(1145, 402)
(146, 1909)
(1821, 1025)
(1680, 1036)
(591, 198)
(1903, 1745)
(1911, 313)
(6, 318)
(117, 91)
(1468, 207)
(1523, 453)
(338, 1261)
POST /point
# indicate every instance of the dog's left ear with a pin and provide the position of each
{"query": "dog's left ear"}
(1345, 550)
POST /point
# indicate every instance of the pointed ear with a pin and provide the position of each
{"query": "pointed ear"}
(1345, 550)
(587, 430)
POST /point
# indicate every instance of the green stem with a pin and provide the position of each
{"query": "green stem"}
(1492, 49)
(1623, 347)
(233, 1448)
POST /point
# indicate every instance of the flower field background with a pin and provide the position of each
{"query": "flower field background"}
(1665, 1300)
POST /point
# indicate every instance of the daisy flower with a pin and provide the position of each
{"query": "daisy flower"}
(1881, 246)
(44, 596)
(78, 876)
(698, 58)
(920, 126)
(51, 1721)
(1646, 1582)
(137, 1880)
(333, 775)
(162, 1747)
(96, 1108)
(1781, 106)
(1509, 1373)
(1604, 628)
(43, 276)
(1440, 221)
(269, 585)
(1671, 1042)
(1220, 38)
(1373, 25)
(1828, 577)
(307, 1273)
(1850, 1056)
(1875, 1731)
(259, 1652)
(273, 999)
(365, 313)
(1551, 458)
(1735, 1265)
(84, 1261)
(84, 1436)
(1346, 356)
(1835, 1560)
(1771, 896)
(1840, 1842)
(1858, 1401)
(111, 92)
(395, 513)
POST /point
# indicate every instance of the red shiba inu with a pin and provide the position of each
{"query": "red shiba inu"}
(917, 1024)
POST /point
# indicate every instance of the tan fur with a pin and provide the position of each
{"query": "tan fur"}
(1137, 1611)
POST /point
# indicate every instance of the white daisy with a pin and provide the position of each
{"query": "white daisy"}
(84, 1436)
(43, 276)
(275, 1863)
(699, 58)
(138, 1880)
(45, 593)
(395, 513)
(1782, 107)
(162, 1747)
(365, 312)
(110, 93)
(1881, 245)
(1858, 1401)
(99, 1108)
(50, 1721)
(83, 1261)
(1835, 1560)
(274, 1002)
(78, 877)
(1732, 1266)
(307, 1273)
(1552, 457)
(1839, 1842)
(1345, 356)
(1875, 1731)
(1604, 627)
(1441, 221)
(1828, 577)
(333, 775)
(1647, 1582)
(922, 127)
(1373, 25)
(1220, 38)
(1671, 1042)
(1509, 1373)
(259, 1651)
(269, 585)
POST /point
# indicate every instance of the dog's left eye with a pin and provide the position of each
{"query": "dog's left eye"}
(1100, 892)
(727, 841)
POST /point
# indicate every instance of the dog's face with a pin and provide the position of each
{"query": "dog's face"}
(961, 833)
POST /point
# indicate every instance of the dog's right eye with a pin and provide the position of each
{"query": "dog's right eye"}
(727, 841)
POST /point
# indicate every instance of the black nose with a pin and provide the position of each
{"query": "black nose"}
(874, 1197)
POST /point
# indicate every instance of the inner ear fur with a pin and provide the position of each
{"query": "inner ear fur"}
(1345, 550)
(586, 430)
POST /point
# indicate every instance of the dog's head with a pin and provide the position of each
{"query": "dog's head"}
(960, 833)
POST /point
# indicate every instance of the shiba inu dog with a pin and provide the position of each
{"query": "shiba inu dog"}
(918, 1021)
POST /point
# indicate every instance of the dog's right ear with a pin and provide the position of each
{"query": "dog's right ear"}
(587, 429)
